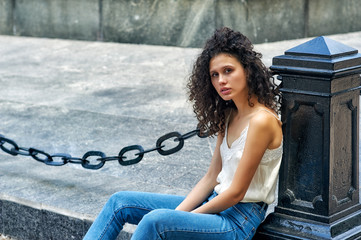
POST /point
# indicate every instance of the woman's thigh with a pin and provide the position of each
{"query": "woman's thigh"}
(237, 222)
(173, 224)
(136, 204)
(127, 207)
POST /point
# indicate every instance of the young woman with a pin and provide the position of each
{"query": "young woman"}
(234, 99)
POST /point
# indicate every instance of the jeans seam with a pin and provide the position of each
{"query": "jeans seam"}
(116, 212)
(252, 230)
(250, 234)
(240, 212)
(106, 228)
(259, 212)
(198, 231)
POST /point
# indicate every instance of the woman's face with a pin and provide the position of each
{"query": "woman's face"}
(228, 77)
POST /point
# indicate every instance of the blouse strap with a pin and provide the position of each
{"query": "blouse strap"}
(227, 121)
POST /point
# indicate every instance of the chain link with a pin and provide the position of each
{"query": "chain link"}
(96, 159)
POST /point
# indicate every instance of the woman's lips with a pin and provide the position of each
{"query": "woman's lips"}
(225, 91)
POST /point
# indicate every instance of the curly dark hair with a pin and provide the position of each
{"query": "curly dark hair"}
(209, 107)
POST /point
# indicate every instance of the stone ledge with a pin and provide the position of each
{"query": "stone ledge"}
(24, 219)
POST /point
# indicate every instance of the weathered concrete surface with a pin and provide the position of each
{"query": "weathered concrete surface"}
(183, 23)
(73, 97)
(264, 20)
(328, 15)
(65, 19)
(176, 23)
(6, 17)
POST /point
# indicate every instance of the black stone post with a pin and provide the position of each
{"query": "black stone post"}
(319, 178)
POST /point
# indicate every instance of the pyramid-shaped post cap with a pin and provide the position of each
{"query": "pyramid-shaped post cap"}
(322, 47)
(320, 56)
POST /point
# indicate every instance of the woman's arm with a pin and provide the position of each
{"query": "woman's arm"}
(261, 134)
(206, 185)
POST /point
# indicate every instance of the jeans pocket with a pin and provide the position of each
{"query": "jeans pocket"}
(247, 222)
(259, 211)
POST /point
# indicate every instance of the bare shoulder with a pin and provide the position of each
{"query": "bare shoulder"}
(265, 122)
(265, 119)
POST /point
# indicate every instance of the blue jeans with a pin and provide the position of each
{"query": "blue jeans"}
(156, 219)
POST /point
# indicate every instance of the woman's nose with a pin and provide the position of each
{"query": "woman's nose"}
(222, 79)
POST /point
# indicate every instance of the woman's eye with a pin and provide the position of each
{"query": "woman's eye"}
(228, 70)
(214, 74)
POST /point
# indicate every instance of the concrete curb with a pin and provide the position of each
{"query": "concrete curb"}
(24, 219)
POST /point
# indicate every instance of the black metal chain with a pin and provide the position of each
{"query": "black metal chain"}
(97, 159)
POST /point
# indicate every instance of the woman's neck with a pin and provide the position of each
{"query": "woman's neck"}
(244, 108)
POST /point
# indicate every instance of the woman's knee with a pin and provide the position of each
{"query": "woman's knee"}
(158, 217)
(120, 199)
(117, 204)
(126, 207)
(154, 223)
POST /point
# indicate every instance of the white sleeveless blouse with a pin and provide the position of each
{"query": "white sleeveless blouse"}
(263, 184)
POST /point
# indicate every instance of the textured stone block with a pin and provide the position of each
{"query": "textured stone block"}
(267, 20)
(20, 221)
(57, 18)
(177, 23)
(26, 220)
(57, 226)
(263, 20)
(6, 17)
(185, 23)
(189, 23)
(333, 16)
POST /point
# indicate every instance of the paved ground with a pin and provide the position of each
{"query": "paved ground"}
(73, 97)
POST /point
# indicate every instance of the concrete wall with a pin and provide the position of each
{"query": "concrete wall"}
(184, 23)
(6, 17)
